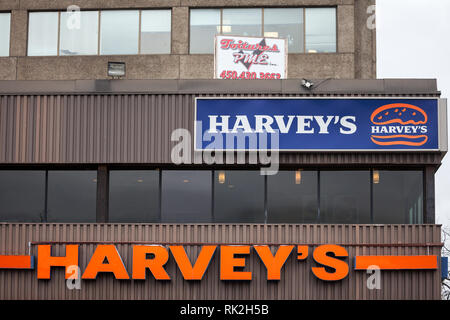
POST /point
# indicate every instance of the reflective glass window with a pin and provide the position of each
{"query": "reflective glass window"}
(204, 25)
(155, 31)
(292, 197)
(79, 33)
(186, 196)
(43, 34)
(134, 196)
(72, 196)
(22, 196)
(285, 23)
(242, 22)
(5, 32)
(119, 32)
(239, 197)
(345, 196)
(397, 196)
(320, 24)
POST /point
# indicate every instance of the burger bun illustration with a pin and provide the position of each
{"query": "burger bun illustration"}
(399, 115)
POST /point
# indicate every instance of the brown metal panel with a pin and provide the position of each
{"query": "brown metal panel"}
(297, 281)
(129, 129)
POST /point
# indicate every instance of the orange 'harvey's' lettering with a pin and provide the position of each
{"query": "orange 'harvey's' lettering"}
(321, 256)
(106, 259)
(197, 271)
(46, 260)
(114, 263)
(155, 264)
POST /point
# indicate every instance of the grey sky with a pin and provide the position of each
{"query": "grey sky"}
(413, 41)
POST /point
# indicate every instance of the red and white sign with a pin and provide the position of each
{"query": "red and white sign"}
(246, 58)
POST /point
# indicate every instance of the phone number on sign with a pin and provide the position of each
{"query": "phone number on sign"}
(226, 74)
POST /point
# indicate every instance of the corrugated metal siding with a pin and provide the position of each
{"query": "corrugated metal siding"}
(297, 280)
(128, 128)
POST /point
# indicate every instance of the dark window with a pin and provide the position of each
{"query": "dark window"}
(239, 197)
(230, 196)
(398, 196)
(22, 196)
(134, 196)
(292, 197)
(345, 196)
(72, 196)
(186, 196)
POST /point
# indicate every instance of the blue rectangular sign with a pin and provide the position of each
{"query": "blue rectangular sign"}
(300, 124)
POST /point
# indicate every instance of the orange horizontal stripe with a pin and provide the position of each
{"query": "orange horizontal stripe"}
(16, 262)
(398, 142)
(396, 262)
(401, 136)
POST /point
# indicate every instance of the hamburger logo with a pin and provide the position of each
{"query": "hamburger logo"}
(399, 124)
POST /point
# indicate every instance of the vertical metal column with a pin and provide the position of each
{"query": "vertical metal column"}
(429, 195)
(102, 193)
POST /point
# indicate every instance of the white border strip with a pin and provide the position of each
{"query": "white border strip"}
(442, 123)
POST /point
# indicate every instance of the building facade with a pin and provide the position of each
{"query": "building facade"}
(88, 166)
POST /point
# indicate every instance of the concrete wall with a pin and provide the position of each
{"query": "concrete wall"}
(355, 57)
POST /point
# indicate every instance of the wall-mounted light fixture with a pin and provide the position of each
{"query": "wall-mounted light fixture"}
(298, 177)
(116, 69)
(221, 177)
(376, 176)
(307, 84)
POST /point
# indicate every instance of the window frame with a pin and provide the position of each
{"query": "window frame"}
(370, 169)
(78, 55)
(10, 33)
(336, 30)
(57, 33)
(262, 26)
(99, 30)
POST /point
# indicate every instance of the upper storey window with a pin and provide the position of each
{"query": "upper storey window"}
(320, 35)
(205, 24)
(108, 32)
(79, 38)
(5, 30)
(246, 22)
(119, 32)
(286, 23)
(308, 30)
(155, 31)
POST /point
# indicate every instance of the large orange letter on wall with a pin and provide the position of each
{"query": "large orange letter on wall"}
(46, 261)
(273, 263)
(156, 265)
(228, 262)
(114, 265)
(341, 267)
(198, 270)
